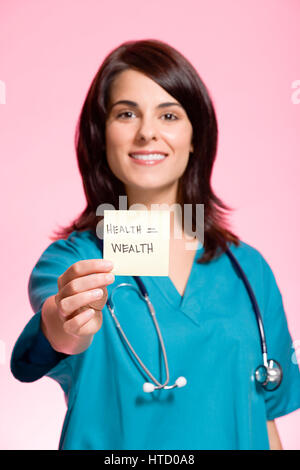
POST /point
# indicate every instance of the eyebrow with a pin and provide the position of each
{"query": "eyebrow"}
(134, 104)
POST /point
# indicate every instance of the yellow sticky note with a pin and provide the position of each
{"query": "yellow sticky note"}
(137, 242)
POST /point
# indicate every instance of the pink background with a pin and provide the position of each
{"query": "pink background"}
(247, 53)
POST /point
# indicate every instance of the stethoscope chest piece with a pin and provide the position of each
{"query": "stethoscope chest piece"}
(269, 376)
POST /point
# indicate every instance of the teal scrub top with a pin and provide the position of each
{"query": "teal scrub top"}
(211, 338)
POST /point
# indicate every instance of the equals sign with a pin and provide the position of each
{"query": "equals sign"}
(151, 230)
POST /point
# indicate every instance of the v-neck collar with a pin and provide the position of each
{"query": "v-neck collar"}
(191, 301)
(170, 292)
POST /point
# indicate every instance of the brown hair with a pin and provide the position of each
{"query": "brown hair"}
(173, 72)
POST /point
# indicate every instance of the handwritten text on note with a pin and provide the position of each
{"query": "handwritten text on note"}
(137, 242)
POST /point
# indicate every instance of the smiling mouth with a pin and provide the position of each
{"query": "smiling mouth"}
(148, 158)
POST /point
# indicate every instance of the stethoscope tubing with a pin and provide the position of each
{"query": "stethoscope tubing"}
(145, 296)
(259, 321)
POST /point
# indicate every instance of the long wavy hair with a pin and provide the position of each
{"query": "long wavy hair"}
(173, 72)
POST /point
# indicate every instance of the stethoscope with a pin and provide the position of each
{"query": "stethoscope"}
(268, 375)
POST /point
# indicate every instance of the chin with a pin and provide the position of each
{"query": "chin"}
(143, 184)
(146, 185)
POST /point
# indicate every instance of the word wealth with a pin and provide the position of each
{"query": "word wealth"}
(132, 248)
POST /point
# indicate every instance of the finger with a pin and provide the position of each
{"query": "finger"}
(83, 268)
(85, 323)
(68, 305)
(99, 304)
(85, 283)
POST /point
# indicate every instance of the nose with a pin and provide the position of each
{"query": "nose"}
(147, 130)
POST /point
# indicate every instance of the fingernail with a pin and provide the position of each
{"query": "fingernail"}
(90, 312)
(109, 277)
(108, 264)
(97, 293)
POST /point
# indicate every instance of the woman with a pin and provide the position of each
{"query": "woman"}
(147, 97)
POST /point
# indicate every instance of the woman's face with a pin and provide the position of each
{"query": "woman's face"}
(145, 126)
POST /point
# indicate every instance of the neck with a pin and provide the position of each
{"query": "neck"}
(152, 198)
(160, 199)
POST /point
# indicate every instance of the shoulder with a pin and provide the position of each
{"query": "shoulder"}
(79, 244)
(85, 241)
(62, 253)
(55, 259)
(250, 256)
(258, 271)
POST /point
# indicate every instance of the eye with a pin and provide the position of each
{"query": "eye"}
(171, 114)
(122, 114)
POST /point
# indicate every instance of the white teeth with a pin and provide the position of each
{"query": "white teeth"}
(152, 156)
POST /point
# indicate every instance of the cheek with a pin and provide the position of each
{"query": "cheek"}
(115, 166)
(114, 138)
(114, 146)
(179, 138)
(181, 165)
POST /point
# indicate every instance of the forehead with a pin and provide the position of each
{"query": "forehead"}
(130, 84)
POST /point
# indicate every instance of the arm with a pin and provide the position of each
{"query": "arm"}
(274, 438)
